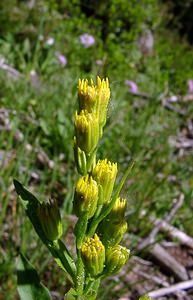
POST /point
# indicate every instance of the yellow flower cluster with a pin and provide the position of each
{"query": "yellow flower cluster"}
(95, 190)
(90, 120)
(94, 98)
(98, 242)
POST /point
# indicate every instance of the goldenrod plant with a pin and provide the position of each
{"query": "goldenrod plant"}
(97, 204)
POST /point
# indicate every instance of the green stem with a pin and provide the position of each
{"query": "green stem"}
(80, 230)
(80, 276)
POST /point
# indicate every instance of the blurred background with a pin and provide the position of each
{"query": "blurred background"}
(145, 49)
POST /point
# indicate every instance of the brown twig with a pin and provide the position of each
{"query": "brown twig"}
(152, 236)
(175, 233)
(168, 262)
(171, 289)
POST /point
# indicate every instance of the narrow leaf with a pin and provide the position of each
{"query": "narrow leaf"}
(30, 205)
(23, 193)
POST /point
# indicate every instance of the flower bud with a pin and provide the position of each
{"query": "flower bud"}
(105, 174)
(87, 131)
(50, 220)
(86, 196)
(93, 255)
(116, 258)
(112, 231)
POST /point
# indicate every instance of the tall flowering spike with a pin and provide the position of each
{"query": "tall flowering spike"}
(93, 255)
(94, 98)
(50, 220)
(116, 258)
(118, 210)
(112, 231)
(105, 174)
(87, 131)
(86, 196)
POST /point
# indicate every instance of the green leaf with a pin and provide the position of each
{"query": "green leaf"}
(29, 285)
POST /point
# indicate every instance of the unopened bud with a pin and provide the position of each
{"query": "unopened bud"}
(118, 210)
(112, 231)
(93, 255)
(50, 220)
(86, 196)
(116, 258)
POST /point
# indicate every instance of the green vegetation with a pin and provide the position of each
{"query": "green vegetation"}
(37, 108)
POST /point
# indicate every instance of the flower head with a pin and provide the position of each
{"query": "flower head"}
(50, 41)
(87, 40)
(93, 254)
(61, 58)
(94, 98)
(87, 95)
(86, 196)
(105, 174)
(99, 62)
(50, 220)
(87, 131)
(133, 86)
